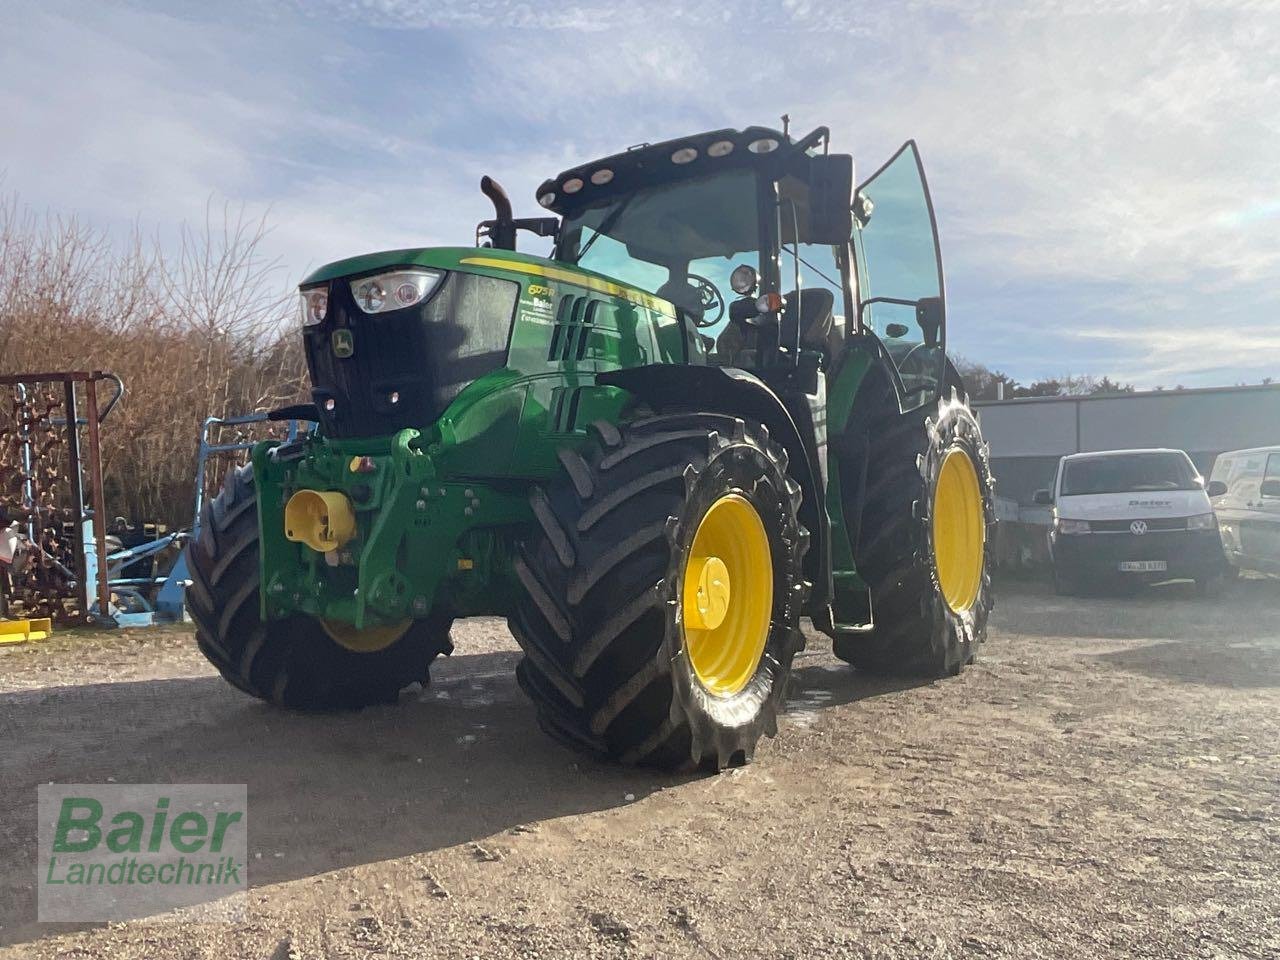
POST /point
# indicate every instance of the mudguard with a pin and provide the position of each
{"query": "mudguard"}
(668, 386)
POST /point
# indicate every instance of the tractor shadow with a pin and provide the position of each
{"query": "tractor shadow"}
(461, 760)
(455, 762)
(819, 682)
(1165, 631)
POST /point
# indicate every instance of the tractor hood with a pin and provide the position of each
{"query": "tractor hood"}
(440, 258)
(376, 373)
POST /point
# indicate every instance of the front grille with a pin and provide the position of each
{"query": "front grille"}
(1154, 524)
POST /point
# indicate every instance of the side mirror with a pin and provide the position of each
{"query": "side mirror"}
(1216, 488)
(1043, 498)
(895, 330)
(830, 196)
(929, 316)
(1270, 488)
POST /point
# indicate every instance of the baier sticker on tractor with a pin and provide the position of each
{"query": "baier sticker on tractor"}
(538, 305)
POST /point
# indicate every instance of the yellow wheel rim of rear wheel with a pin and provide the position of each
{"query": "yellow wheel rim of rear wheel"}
(727, 596)
(368, 640)
(959, 531)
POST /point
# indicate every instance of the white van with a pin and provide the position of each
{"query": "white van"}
(1245, 490)
(1129, 517)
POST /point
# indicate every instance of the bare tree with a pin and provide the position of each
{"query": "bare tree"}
(204, 331)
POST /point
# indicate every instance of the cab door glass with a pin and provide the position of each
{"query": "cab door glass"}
(900, 273)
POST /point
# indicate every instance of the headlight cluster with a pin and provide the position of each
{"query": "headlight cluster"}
(395, 290)
(1071, 526)
(1201, 521)
(315, 304)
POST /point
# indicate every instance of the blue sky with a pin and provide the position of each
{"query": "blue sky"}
(1106, 172)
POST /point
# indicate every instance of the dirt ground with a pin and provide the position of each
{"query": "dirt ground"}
(1105, 782)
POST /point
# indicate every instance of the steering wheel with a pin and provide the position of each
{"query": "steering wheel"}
(711, 301)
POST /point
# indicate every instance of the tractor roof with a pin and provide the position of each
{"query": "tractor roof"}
(653, 163)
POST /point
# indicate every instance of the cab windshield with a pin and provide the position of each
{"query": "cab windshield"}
(680, 241)
(1128, 473)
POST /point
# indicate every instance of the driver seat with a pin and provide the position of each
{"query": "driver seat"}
(816, 311)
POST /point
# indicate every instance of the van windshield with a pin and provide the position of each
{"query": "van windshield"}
(1128, 473)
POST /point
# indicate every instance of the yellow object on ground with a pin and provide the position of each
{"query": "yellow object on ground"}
(21, 631)
(728, 596)
(322, 519)
(959, 531)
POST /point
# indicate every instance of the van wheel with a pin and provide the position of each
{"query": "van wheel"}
(1211, 587)
(1063, 585)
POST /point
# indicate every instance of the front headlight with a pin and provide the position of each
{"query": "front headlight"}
(395, 290)
(1201, 521)
(315, 304)
(1071, 526)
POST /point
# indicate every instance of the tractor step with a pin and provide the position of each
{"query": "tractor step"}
(825, 621)
(851, 629)
(22, 631)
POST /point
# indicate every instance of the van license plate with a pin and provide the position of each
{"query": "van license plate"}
(1144, 566)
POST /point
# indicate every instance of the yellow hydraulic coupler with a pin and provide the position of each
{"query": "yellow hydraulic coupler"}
(322, 519)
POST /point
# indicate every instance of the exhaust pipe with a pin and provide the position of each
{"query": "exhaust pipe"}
(501, 230)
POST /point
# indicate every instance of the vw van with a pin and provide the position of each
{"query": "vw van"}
(1127, 517)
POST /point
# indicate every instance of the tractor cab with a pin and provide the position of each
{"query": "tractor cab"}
(763, 246)
(702, 222)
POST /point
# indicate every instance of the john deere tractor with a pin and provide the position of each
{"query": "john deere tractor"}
(721, 404)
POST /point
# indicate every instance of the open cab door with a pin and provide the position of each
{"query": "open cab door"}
(899, 269)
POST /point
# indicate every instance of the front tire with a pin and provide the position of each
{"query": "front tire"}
(295, 663)
(660, 602)
(925, 545)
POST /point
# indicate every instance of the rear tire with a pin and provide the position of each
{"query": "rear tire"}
(601, 616)
(293, 663)
(916, 631)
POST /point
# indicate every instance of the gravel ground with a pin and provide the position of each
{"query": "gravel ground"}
(1105, 782)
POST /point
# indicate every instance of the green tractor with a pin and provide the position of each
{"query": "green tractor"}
(721, 404)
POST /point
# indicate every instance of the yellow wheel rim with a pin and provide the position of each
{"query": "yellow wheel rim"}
(959, 532)
(368, 640)
(727, 596)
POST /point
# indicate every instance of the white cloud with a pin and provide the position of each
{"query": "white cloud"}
(1103, 168)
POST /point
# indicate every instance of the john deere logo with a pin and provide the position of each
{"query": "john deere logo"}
(344, 344)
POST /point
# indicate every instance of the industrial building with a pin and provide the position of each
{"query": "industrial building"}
(1028, 435)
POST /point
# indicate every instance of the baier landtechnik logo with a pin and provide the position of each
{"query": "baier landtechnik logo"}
(122, 851)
